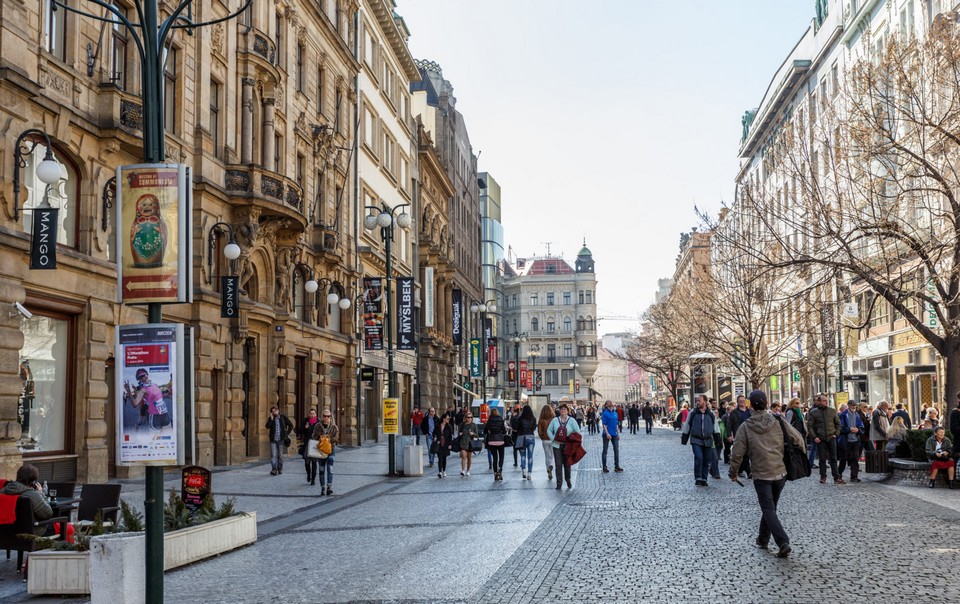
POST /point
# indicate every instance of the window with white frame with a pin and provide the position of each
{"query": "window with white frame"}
(55, 30)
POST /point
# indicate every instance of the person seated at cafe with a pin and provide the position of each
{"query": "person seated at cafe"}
(27, 484)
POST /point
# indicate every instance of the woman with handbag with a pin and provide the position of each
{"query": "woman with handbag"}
(495, 437)
(546, 416)
(524, 440)
(305, 433)
(559, 429)
(326, 434)
(468, 432)
(443, 437)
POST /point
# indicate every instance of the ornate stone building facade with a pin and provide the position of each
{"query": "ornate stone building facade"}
(262, 110)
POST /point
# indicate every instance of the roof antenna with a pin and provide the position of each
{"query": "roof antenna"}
(547, 243)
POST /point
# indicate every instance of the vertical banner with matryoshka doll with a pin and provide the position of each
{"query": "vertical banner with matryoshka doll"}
(153, 233)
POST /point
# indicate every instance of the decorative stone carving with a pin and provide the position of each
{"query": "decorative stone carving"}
(216, 38)
(237, 180)
(294, 199)
(55, 82)
(131, 115)
(261, 46)
(248, 237)
(287, 258)
(271, 187)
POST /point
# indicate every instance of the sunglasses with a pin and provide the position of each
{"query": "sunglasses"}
(327, 415)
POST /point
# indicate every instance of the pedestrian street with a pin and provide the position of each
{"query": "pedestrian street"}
(648, 534)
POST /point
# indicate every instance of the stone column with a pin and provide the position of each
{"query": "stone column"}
(269, 142)
(246, 122)
(11, 341)
(92, 465)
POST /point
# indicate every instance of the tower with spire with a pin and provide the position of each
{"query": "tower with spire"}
(584, 262)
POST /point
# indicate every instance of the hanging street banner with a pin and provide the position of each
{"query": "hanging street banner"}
(150, 384)
(229, 297)
(405, 335)
(475, 357)
(391, 416)
(457, 316)
(153, 233)
(511, 371)
(372, 313)
(492, 357)
(725, 390)
(523, 372)
(43, 244)
(428, 296)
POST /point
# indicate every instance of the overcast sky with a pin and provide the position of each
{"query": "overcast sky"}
(607, 120)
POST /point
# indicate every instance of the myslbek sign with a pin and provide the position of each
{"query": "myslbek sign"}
(153, 233)
(405, 335)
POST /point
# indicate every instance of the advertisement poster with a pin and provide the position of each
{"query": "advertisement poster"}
(457, 316)
(492, 357)
(523, 372)
(511, 371)
(391, 416)
(195, 485)
(405, 331)
(725, 390)
(153, 229)
(149, 383)
(475, 357)
(428, 296)
(372, 313)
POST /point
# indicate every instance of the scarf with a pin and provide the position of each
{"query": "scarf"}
(313, 420)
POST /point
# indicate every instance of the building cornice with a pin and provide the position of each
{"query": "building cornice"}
(385, 18)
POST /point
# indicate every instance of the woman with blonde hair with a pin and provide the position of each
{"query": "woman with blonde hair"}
(896, 436)
(546, 416)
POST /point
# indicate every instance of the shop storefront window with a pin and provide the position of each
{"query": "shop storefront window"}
(44, 359)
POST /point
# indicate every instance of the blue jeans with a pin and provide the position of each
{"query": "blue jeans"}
(276, 456)
(430, 456)
(326, 471)
(812, 452)
(417, 432)
(616, 450)
(702, 457)
(526, 453)
(768, 495)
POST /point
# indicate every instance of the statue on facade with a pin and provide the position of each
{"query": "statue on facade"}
(746, 122)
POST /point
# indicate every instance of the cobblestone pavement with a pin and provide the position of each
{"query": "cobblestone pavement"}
(645, 535)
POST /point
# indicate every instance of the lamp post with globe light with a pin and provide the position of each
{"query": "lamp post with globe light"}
(517, 339)
(483, 308)
(386, 218)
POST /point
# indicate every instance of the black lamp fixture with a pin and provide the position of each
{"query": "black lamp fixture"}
(48, 170)
(231, 251)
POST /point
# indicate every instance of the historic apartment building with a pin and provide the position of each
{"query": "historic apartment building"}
(262, 109)
(554, 306)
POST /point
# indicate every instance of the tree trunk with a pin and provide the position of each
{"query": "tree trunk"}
(951, 378)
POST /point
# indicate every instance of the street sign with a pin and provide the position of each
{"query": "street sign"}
(841, 399)
(796, 376)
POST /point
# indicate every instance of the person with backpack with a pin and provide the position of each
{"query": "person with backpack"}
(763, 439)
(702, 431)
(559, 429)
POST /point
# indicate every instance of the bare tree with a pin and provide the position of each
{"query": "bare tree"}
(863, 191)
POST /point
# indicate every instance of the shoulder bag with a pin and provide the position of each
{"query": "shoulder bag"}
(794, 458)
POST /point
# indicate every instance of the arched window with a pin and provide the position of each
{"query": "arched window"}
(551, 326)
(62, 194)
(567, 324)
(534, 324)
(303, 302)
(335, 315)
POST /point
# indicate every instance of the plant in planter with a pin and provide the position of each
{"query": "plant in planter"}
(176, 514)
(917, 440)
(130, 521)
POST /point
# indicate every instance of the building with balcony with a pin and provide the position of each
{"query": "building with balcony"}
(555, 306)
(260, 109)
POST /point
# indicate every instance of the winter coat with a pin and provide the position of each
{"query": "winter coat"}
(879, 425)
(494, 430)
(286, 426)
(761, 441)
(701, 426)
(735, 419)
(931, 448)
(823, 423)
(330, 431)
(797, 420)
(572, 428)
(573, 451)
(41, 509)
(468, 432)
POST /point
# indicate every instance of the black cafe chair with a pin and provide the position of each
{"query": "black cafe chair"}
(98, 498)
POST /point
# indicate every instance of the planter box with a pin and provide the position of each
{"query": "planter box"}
(198, 542)
(52, 572)
(68, 573)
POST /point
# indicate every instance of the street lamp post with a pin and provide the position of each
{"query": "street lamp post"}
(483, 308)
(573, 366)
(386, 218)
(151, 38)
(517, 339)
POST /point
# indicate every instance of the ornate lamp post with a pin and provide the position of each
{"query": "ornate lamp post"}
(573, 367)
(533, 355)
(151, 37)
(483, 308)
(386, 218)
(48, 170)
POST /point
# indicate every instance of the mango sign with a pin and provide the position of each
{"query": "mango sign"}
(391, 416)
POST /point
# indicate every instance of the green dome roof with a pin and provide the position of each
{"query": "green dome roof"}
(584, 251)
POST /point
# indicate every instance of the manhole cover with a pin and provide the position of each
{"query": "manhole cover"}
(595, 504)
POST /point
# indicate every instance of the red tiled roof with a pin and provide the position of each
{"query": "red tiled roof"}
(547, 266)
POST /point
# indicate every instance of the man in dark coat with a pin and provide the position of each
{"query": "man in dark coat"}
(735, 419)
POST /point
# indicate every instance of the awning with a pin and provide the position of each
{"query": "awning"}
(471, 392)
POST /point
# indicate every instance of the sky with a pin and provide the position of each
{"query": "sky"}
(607, 121)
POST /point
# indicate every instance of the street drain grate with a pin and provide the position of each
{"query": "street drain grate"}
(596, 505)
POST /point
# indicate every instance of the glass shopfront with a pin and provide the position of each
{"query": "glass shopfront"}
(44, 403)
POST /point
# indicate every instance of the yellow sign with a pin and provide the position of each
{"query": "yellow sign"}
(841, 399)
(571, 386)
(391, 416)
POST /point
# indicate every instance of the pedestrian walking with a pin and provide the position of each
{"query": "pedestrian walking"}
(620, 416)
(647, 414)
(278, 433)
(546, 416)
(468, 432)
(495, 437)
(703, 433)
(326, 430)
(824, 426)
(305, 433)
(851, 428)
(591, 420)
(609, 424)
(633, 413)
(429, 427)
(443, 441)
(762, 440)
(559, 429)
(525, 440)
(512, 427)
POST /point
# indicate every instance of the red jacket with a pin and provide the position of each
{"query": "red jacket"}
(573, 448)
